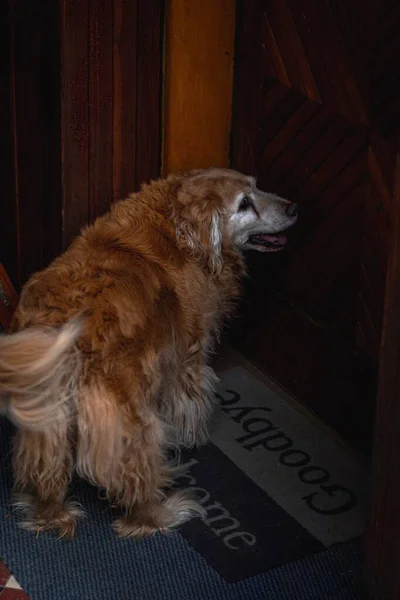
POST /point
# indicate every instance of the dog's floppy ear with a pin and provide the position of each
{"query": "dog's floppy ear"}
(199, 222)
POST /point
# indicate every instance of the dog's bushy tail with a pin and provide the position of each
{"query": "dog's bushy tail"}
(36, 367)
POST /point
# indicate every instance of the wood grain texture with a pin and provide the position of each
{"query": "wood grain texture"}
(26, 22)
(34, 87)
(75, 116)
(149, 90)
(198, 84)
(315, 128)
(125, 50)
(380, 207)
(101, 35)
(381, 258)
(81, 93)
(308, 361)
(313, 125)
(382, 540)
(9, 242)
(247, 84)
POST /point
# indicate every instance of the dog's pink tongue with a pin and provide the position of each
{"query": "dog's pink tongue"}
(277, 239)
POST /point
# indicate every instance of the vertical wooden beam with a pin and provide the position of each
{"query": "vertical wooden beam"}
(27, 24)
(149, 89)
(382, 573)
(101, 93)
(9, 242)
(75, 124)
(125, 52)
(34, 103)
(248, 85)
(199, 49)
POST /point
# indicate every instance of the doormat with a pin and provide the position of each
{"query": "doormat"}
(276, 487)
(282, 500)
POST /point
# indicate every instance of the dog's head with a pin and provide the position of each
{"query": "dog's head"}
(223, 207)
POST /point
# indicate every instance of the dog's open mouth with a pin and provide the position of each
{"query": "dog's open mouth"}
(271, 242)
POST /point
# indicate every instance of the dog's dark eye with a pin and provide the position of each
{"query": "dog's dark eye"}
(245, 203)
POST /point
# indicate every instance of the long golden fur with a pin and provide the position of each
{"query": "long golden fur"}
(106, 366)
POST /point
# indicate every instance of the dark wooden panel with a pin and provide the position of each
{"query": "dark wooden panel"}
(27, 25)
(312, 128)
(124, 101)
(311, 362)
(248, 75)
(51, 115)
(276, 171)
(9, 244)
(320, 166)
(384, 132)
(81, 92)
(101, 24)
(344, 95)
(382, 573)
(148, 123)
(294, 124)
(290, 50)
(285, 106)
(385, 73)
(75, 116)
(34, 35)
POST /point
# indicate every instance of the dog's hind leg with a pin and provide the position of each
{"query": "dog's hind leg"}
(122, 448)
(144, 496)
(161, 514)
(188, 400)
(43, 466)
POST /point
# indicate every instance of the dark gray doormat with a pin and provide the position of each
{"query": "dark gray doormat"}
(276, 487)
(286, 507)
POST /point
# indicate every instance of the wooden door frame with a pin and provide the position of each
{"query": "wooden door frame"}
(197, 93)
(382, 545)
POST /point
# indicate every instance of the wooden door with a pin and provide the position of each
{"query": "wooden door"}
(314, 118)
(382, 557)
(80, 94)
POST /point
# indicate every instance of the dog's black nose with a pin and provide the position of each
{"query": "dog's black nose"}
(291, 209)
